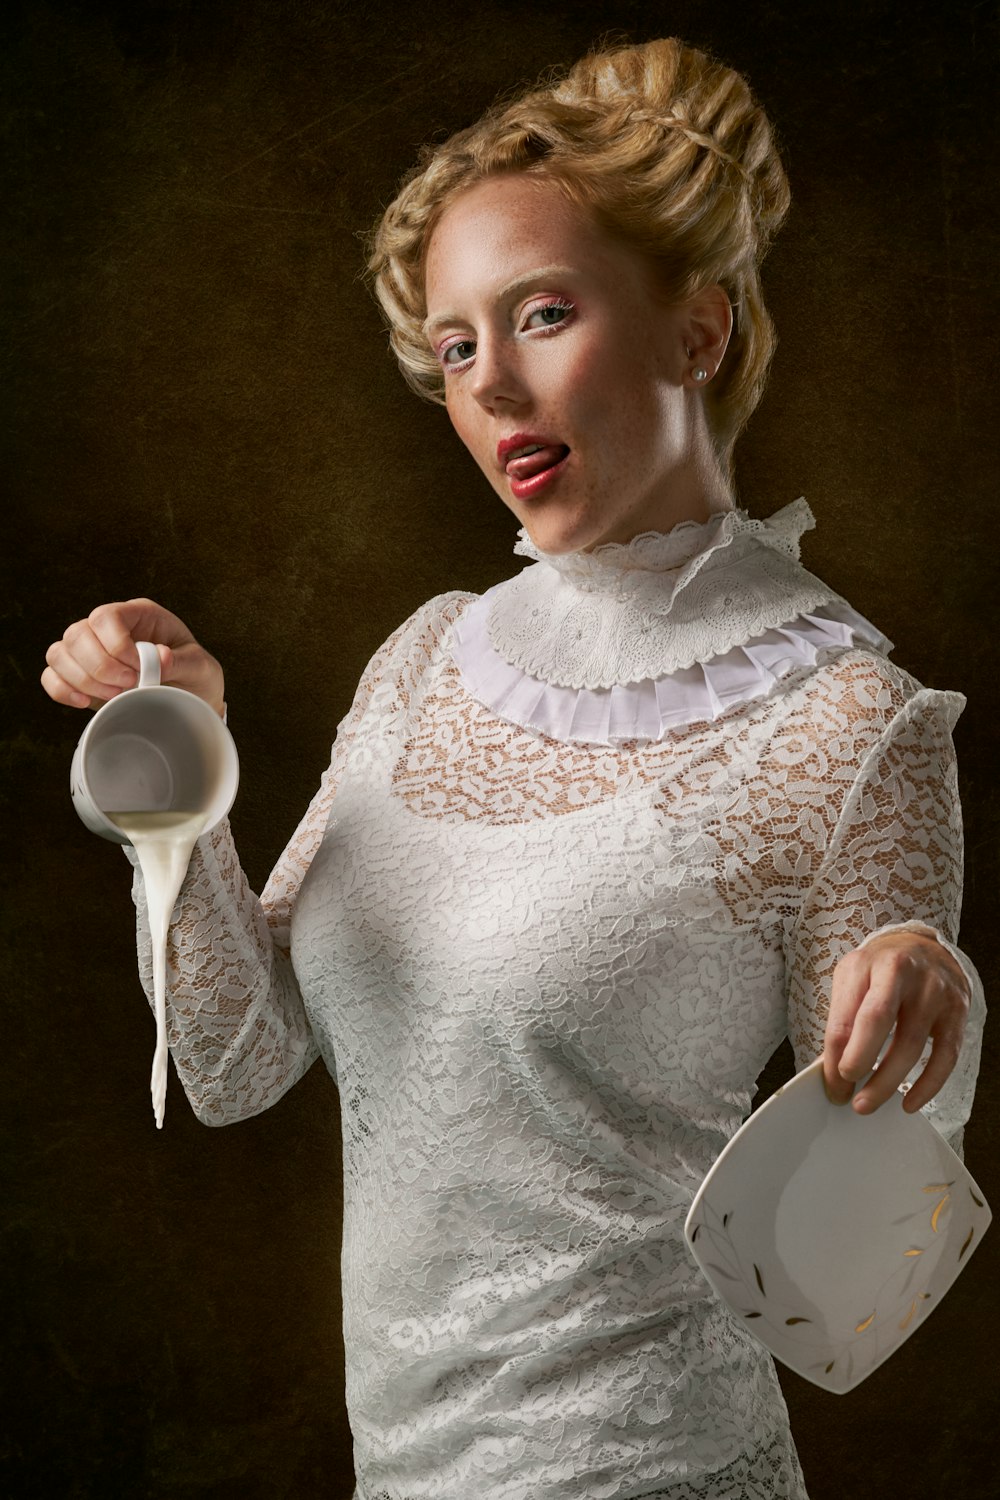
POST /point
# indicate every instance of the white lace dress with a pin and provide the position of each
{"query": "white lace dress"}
(588, 848)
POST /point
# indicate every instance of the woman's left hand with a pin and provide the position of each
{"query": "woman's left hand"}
(904, 980)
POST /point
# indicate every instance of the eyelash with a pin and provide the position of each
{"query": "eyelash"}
(549, 328)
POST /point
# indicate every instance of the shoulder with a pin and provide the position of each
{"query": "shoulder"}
(404, 657)
(860, 684)
(388, 682)
(861, 698)
(418, 640)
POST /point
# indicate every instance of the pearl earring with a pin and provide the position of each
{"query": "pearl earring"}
(699, 374)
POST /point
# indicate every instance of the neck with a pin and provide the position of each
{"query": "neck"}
(696, 488)
(692, 493)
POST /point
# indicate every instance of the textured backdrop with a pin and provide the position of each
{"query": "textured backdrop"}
(202, 409)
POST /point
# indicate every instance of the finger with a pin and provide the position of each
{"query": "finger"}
(899, 1061)
(119, 626)
(81, 650)
(940, 1064)
(61, 692)
(838, 1088)
(111, 627)
(65, 667)
(850, 983)
(874, 1020)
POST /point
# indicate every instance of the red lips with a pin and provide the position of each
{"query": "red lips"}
(508, 447)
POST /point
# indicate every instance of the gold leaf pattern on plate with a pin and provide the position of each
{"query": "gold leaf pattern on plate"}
(909, 1316)
(937, 1212)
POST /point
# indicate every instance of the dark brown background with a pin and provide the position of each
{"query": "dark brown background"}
(204, 411)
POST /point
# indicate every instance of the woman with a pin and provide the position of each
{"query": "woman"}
(589, 846)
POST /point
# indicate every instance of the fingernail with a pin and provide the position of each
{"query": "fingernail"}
(839, 1095)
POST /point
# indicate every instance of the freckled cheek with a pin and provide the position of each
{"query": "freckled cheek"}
(572, 390)
(601, 406)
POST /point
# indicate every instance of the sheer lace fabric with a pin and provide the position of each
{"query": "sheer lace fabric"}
(547, 976)
(771, 1472)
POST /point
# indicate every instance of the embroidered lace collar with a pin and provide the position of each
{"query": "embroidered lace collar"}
(630, 612)
(632, 641)
(620, 568)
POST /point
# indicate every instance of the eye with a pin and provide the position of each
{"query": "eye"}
(552, 314)
(456, 349)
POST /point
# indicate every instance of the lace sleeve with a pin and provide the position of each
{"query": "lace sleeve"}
(236, 1026)
(894, 859)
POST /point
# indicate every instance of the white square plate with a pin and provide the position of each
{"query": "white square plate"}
(831, 1235)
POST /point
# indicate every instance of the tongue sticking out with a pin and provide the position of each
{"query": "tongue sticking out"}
(533, 463)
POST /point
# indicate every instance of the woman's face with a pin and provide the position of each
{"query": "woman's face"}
(548, 334)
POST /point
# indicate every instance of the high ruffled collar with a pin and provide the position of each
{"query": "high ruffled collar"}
(628, 612)
(644, 565)
(633, 639)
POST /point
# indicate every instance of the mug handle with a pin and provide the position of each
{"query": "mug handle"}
(149, 664)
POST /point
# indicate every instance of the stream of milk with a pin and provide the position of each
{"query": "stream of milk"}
(163, 842)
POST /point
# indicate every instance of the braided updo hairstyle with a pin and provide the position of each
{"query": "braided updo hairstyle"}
(671, 155)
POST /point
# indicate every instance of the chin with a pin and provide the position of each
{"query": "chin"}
(558, 534)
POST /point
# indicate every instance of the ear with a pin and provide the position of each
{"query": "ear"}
(706, 327)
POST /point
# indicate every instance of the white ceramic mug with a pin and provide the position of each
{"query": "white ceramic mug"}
(153, 749)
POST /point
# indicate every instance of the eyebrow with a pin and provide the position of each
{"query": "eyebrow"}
(507, 290)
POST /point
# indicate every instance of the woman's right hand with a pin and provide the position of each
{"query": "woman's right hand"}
(97, 657)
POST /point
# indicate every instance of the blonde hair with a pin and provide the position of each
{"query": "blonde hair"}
(668, 151)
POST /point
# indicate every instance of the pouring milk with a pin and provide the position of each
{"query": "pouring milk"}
(163, 842)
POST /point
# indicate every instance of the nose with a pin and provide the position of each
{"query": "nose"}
(497, 376)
